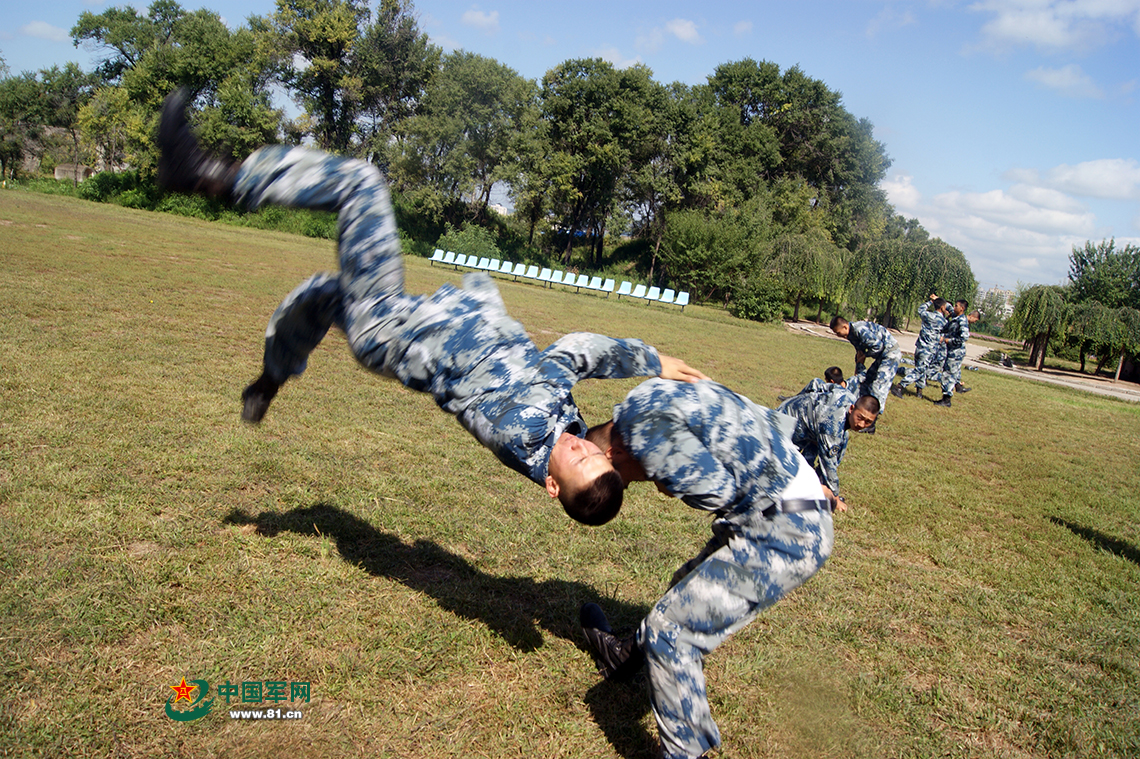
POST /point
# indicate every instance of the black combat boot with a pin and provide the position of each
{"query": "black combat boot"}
(618, 659)
(182, 165)
(897, 391)
(944, 402)
(256, 398)
(960, 388)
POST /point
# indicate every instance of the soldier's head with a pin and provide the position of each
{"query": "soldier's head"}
(940, 305)
(960, 307)
(863, 413)
(840, 326)
(582, 477)
(834, 375)
(974, 316)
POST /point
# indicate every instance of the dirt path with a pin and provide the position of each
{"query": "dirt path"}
(975, 349)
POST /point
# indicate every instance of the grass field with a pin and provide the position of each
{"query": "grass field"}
(981, 600)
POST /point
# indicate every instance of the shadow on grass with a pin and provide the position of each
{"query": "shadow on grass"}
(1101, 541)
(517, 608)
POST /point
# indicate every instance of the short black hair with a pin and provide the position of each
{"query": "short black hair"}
(836, 321)
(598, 502)
(939, 303)
(963, 303)
(868, 403)
(833, 374)
(599, 435)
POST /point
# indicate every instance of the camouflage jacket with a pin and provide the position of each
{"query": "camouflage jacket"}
(957, 333)
(872, 339)
(713, 448)
(933, 326)
(821, 429)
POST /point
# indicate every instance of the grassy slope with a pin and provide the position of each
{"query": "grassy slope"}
(980, 602)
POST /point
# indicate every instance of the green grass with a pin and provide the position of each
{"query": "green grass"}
(980, 601)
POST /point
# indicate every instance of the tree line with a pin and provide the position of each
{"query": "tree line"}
(756, 189)
(1097, 312)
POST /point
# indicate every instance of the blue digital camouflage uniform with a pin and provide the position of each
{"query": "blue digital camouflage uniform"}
(458, 344)
(926, 346)
(879, 345)
(821, 428)
(957, 333)
(720, 452)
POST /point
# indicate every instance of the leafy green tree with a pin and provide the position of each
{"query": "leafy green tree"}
(21, 120)
(317, 38)
(807, 266)
(464, 138)
(714, 255)
(888, 269)
(792, 126)
(1040, 313)
(597, 119)
(654, 184)
(147, 56)
(395, 63)
(65, 92)
(1106, 274)
(1091, 329)
(1124, 337)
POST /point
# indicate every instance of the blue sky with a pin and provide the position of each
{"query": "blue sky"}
(1012, 124)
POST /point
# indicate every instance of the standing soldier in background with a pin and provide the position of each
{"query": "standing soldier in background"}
(873, 341)
(933, 325)
(955, 337)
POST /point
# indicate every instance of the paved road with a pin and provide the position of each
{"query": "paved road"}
(975, 349)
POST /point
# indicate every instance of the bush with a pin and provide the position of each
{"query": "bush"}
(471, 240)
(194, 206)
(106, 186)
(761, 299)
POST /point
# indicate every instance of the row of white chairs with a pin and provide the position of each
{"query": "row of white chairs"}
(551, 277)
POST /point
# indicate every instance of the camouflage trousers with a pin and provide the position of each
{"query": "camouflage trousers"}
(744, 569)
(436, 343)
(880, 374)
(371, 268)
(923, 355)
(952, 370)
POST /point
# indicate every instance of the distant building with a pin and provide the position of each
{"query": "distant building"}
(73, 172)
(996, 299)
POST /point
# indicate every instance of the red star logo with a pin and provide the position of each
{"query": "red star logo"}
(183, 691)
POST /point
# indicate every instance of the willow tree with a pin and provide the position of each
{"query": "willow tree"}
(807, 265)
(1123, 336)
(1040, 313)
(1090, 329)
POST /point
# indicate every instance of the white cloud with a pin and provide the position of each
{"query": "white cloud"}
(614, 56)
(902, 193)
(1021, 233)
(1056, 25)
(1044, 197)
(44, 31)
(889, 18)
(1111, 178)
(1070, 81)
(486, 22)
(742, 29)
(684, 30)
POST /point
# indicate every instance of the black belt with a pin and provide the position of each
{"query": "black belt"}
(797, 506)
